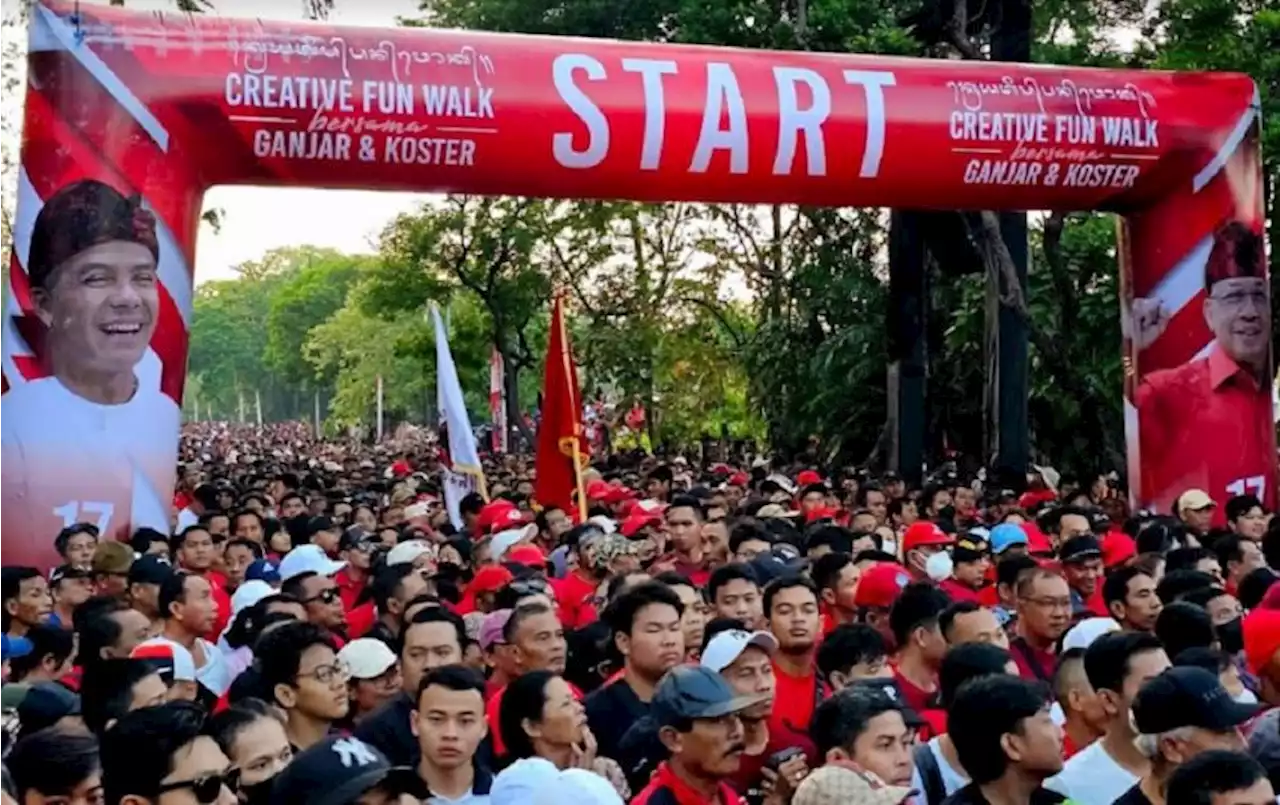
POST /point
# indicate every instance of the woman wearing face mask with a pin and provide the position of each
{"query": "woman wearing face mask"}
(541, 717)
(251, 733)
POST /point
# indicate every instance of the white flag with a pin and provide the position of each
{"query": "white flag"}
(453, 410)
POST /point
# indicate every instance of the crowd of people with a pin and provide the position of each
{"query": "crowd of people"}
(315, 629)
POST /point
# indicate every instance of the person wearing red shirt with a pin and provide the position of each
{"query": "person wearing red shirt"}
(535, 640)
(693, 709)
(684, 518)
(576, 592)
(837, 577)
(744, 659)
(196, 553)
(922, 540)
(879, 588)
(1044, 613)
(1081, 559)
(1209, 423)
(921, 646)
(970, 561)
(791, 607)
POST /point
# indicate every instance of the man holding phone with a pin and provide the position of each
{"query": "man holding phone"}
(770, 769)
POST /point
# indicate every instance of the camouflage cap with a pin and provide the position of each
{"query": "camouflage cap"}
(609, 547)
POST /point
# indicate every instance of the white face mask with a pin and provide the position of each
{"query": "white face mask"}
(939, 566)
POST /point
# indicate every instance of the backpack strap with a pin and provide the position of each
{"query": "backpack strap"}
(935, 790)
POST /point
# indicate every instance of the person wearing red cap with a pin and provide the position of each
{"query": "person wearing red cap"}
(1208, 423)
(922, 540)
(735, 489)
(812, 497)
(879, 587)
(482, 589)
(1261, 629)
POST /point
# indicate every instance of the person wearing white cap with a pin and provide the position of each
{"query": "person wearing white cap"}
(307, 574)
(240, 657)
(416, 552)
(537, 781)
(308, 559)
(745, 659)
(504, 541)
(374, 674)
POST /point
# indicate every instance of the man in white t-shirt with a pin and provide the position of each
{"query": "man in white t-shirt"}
(188, 610)
(1118, 665)
(92, 441)
(937, 773)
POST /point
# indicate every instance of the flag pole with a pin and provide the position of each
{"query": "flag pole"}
(579, 482)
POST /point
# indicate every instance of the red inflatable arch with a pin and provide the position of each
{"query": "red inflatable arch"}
(130, 117)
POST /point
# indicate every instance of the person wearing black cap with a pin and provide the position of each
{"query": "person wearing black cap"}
(47, 704)
(147, 575)
(1081, 559)
(697, 716)
(1179, 714)
(70, 586)
(346, 771)
(323, 531)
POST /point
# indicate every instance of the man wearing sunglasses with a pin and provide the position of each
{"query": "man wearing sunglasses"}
(308, 575)
(162, 756)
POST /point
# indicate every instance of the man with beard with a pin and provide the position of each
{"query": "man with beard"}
(1223, 399)
(791, 608)
(698, 719)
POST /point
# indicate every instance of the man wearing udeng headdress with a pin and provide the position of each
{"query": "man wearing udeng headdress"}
(92, 442)
(1208, 424)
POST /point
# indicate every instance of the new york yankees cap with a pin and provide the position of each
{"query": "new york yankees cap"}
(340, 769)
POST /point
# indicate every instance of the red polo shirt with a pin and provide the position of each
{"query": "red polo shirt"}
(574, 600)
(1206, 425)
(959, 592)
(666, 788)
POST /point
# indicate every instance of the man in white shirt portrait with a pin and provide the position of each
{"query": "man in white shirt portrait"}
(93, 441)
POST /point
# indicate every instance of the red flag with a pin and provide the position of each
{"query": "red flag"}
(560, 446)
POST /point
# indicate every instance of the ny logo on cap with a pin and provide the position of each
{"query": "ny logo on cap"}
(354, 752)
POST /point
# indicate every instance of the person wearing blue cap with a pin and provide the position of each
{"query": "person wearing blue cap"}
(1008, 539)
(697, 716)
(11, 648)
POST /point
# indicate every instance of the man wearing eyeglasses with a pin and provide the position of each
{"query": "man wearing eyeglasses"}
(301, 671)
(1208, 423)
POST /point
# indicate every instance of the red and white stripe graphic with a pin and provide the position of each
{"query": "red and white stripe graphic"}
(1167, 248)
(58, 150)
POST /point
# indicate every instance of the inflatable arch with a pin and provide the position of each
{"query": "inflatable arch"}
(130, 117)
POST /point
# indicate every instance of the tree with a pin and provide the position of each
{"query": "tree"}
(483, 246)
(307, 298)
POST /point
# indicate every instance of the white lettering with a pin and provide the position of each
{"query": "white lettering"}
(301, 145)
(597, 149)
(724, 97)
(288, 92)
(655, 108)
(428, 151)
(792, 120)
(873, 83)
